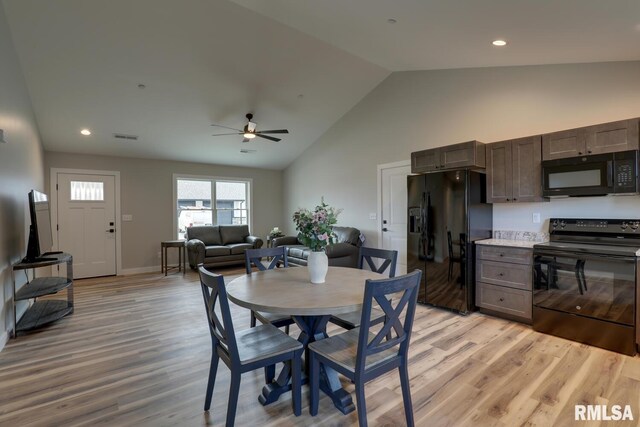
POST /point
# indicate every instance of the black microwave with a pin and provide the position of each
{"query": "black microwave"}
(596, 175)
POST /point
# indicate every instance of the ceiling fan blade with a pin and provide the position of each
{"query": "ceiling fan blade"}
(274, 131)
(221, 134)
(270, 138)
(226, 127)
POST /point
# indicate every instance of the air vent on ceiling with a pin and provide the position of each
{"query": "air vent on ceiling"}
(125, 137)
(245, 151)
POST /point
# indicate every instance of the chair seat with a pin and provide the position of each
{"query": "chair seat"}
(263, 342)
(352, 319)
(265, 317)
(342, 349)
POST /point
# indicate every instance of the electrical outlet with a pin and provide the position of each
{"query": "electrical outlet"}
(373, 215)
(536, 218)
(127, 217)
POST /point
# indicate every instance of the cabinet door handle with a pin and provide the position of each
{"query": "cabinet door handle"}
(589, 151)
(514, 199)
(580, 152)
(501, 255)
(500, 274)
(508, 200)
(501, 299)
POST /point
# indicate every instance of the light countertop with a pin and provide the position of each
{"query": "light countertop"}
(507, 242)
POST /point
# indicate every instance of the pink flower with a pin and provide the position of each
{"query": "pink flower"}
(323, 236)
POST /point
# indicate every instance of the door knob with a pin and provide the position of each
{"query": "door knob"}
(111, 230)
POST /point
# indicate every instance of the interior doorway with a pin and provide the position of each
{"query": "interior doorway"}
(392, 210)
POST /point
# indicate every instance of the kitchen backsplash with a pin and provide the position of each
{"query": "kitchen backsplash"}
(529, 236)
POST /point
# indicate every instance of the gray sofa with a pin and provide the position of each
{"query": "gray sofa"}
(218, 245)
(343, 253)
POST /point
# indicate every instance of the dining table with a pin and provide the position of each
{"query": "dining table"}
(289, 291)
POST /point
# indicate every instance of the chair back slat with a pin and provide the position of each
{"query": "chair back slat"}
(369, 255)
(254, 257)
(214, 293)
(406, 290)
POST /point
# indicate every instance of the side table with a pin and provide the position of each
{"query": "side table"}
(182, 264)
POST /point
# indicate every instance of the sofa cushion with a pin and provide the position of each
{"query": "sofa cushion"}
(239, 248)
(347, 235)
(233, 233)
(340, 249)
(209, 234)
(217, 250)
(298, 251)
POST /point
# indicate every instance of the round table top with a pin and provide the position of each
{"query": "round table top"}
(289, 291)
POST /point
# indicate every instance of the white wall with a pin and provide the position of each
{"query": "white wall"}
(147, 194)
(410, 111)
(21, 169)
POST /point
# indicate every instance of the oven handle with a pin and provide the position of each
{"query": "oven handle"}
(584, 256)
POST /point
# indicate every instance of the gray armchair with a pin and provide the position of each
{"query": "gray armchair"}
(219, 245)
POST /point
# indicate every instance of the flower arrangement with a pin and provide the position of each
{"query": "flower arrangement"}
(276, 232)
(316, 228)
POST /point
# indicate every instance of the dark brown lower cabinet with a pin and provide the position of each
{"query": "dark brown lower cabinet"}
(504, 284)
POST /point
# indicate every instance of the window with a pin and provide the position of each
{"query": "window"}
(87, 191)
(194, 197)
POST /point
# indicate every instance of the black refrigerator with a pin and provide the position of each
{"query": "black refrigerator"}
(447, 213)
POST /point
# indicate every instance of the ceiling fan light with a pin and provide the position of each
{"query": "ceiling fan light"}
(249, 135)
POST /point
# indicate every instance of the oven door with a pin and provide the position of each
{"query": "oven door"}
(579, 176)
(596, 286)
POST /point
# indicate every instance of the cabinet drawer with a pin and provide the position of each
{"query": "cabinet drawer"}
(504, 274)
(505, 254)
(514, 302)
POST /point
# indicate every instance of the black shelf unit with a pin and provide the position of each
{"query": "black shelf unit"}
(42, 312)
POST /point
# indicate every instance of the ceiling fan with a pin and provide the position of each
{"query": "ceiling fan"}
(249, 132)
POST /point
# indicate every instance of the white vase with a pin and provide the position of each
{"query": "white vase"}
(318, 265)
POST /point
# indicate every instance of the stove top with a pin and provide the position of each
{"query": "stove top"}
(619, 237)
(586, 248)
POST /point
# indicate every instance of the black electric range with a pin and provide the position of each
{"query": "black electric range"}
(585, 282)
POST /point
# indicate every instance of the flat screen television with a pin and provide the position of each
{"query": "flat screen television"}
(40, 232)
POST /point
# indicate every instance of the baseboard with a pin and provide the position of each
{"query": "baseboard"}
(4, 338)
(140, 270)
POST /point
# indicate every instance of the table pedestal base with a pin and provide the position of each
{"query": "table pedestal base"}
(313, 329)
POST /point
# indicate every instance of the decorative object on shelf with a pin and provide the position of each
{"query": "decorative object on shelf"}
(316, 232)
(275, 232)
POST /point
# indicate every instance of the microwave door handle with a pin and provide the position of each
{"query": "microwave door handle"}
(610, 174)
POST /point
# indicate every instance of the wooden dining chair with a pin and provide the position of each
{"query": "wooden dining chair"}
(362, 354)
(388, 260)
(278, 256)
(244, 351)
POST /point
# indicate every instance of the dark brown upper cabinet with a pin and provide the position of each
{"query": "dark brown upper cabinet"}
(514, 169)
(464, 155)
(598, 139)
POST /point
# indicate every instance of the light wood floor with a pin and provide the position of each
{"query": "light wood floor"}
(137, 348)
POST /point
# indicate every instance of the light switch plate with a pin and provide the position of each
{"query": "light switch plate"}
(536, 218)
(127, 217)
(373, 215)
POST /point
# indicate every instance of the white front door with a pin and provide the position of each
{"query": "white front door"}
(394, 212)
(87, 222)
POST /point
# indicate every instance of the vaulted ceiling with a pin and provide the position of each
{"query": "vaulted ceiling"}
(296, 64)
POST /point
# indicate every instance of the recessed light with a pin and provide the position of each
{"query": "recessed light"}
(499, 43)
(85, 132)
(391, 21)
